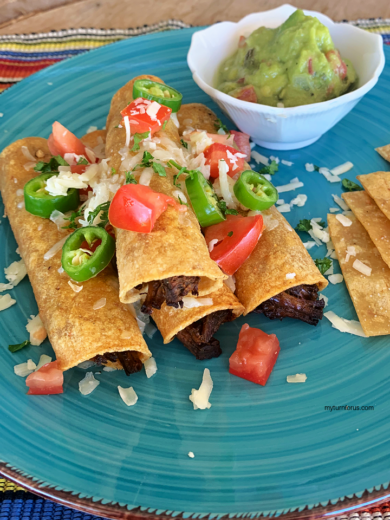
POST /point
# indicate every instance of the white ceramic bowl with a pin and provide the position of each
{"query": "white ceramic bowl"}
(284, 128)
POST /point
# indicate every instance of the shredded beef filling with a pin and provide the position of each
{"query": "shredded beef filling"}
(298, 302)
(170, 290)
(198, 337)
(129, 360)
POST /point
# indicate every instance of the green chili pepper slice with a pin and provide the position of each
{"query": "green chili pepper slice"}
(86, 252)
(203, 200)
(39, 202)
(159, 92)
(254, 191)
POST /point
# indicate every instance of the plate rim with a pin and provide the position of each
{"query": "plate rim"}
(72, 499)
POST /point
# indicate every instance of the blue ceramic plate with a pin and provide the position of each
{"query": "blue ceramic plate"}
(257, 450)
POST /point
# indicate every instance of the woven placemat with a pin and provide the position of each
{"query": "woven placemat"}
(20, 56)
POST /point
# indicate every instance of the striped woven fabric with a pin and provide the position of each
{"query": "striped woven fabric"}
(22, 55)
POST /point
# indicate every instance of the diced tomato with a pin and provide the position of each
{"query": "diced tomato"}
(247, 93)
(110, 231)
(49, 379)
(95, 244)
(136, 207)
(242, 141)
(310, 66)
(237, 238)
(255, 356)
(62, 141)
(214, 153)
(241, 42)
(141, 121)
(338, 65)
(79, 168)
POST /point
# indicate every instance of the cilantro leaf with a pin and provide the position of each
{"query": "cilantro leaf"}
(316, 168)
(72, 218)
(147, 159)
(304, 225)
(225, 210)
(350, 185)
(103, 208)
(137, 139)
(113, 171)
(159, 168)
(82, 160)
(271, 169)
(148, 162)
(15, 348)
(182, 202)
(51, 166)
(230, 234)
(323, 264)
(184, 143)
(218, 125)
(130, 179)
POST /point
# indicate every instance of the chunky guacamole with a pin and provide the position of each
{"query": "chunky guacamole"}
(294, 64)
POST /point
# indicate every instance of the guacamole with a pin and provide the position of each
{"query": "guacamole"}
(294, 64)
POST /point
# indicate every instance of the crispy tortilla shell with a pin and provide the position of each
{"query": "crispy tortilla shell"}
(384, 151)
(76, 331)
(196, 116)
(278, 253)
(176, 246)
(170, 321)
(370, 294)
(377, 185)
(373, 220)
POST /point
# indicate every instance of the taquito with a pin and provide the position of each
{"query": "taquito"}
(76, 331)
(173, 259)
(196, 326)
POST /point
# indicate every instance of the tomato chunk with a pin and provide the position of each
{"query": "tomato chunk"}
(338, 65)
(237, 238)
(62, 141)
(49, 379)
(234, 159)
(255, 355)
(136, 207)
(146, 116)
(242, 141)
(247, 93)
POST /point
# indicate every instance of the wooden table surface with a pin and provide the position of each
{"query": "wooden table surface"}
(26, 16)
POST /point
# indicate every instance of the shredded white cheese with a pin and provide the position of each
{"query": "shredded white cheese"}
(284, 208)
(189, 302)
(231, 283)
(290, 276)
(88, 384)
(340, 202)
(6, 287)
(292, 185)
(128, 131)
(15, 272)
(343, 325)
(334, 210)
(343, 168)
(345, 221)
(6, 301)
(150, 367)
(299, 201)
(200, 398)
(328, 176)
(54, 250)
(146, 176)
(224, 184)
(26, 152)
(335, 278)
(92, 129)
(191, 455)
(58, 218)
(99, 304)
(128, 395)
(309, 245)
(75, 288)
(286, 163)
(259, 158)
(362, 268)
(297, 378)
(36, 329)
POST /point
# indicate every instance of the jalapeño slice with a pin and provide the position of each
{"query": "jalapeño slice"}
(254, 191)
(203, 200)
(159, 92)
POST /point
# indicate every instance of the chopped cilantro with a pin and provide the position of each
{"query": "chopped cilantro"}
(316, 168)
(182, 202)
(350, 185)
(159, 168)
(218, 125)
(82, 160)
(225, 210)
(51, 166)
(148, 162)
(72, 218)
(230, 234)
(113, 171)
(103, 208)
(164, 125)
(323, 264)
(184, 143)
(15, 348)
(137, 139)
(130, 179)
(271, 169)
(304, 225)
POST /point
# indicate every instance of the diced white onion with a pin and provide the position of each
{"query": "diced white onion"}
(290, 276)
(128, 131)
(297, 378)
(26, 152)
(16, 272)
(43, 360)
(99, 304)
(345, 221)
(362, 268)
(280, 202)
(153, 109)
(75, 288)
(335, 278)
(36, 329)
(150, 367)
(343, 168)
(189, 302)
(340, 202)
(343, 325)
(88, 384)
(146, 176)
(213, 243)
(128, 395)
(224, 184)
(231, 283)
(58, 218)
(200, 398)
(54, 250)
(175, 119)
(180, 196)
(31, 365)
(6, 301)
(22, 370)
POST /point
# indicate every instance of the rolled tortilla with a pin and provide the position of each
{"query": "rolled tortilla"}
(76, 331)
(176, 246)
(370, 294)
(279, 252)
(377, 185)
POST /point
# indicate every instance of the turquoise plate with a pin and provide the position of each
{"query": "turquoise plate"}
(272, 450)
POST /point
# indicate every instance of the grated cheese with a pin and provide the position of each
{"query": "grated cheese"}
(58, 218)
(224, 184)
(345, 221)
(309, 245)
(299, 201)
(200, 398)
(343, 168)
(128, 131)
(297, 378)
(26, 152)
(88, 384)
(284, 208)
(343, 325)
(292, 185)
(290, 276)
(335, 278)
(54, 250)
(328, 176)
(15, 272)
(259, 158)
(189, 302)
(6, 287)
(36, 329)
(6, 301)
(286, 163)
(150, 367)
(191, 455)
(153, 109)
(128, 395)
(75, 288)
(340, 202)
(146, 176)
(362, 268)
(231, 283)
(334, 210)
(309, 167)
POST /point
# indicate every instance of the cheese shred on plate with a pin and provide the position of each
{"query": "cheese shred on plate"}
(362, 268)
(150, 367)
(15, 272)
(128, 395)
(343, 325)
(36, 329)
(6, 301)
(297, 378)
(88, 384)
(200, 398)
